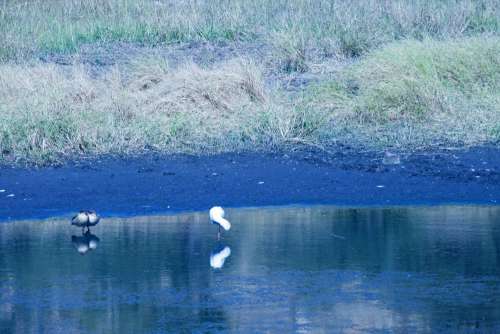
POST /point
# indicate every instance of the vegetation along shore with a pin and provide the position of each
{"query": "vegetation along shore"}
(87, 78)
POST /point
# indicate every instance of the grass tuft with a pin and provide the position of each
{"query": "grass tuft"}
(422, 92)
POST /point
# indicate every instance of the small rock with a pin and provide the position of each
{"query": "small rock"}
(391, 159)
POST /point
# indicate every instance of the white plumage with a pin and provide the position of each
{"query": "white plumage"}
(217, 217)
(86, 219)
(80, 243)
(217, 259)
(86, 242)
(93, 241)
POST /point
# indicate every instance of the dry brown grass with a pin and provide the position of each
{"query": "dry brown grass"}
(49, 112)
(406, 95)
(214, 93)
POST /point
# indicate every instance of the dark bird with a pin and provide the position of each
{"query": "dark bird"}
(85, 219)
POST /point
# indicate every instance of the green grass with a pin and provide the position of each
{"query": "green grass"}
(334, 26)
(406, 74)
(405, 96)
(418, 93)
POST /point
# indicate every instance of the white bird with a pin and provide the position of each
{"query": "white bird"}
(217, 217)
(219, 256)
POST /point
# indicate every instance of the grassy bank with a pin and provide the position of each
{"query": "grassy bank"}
(49, 113)
(379, 74)
(296, 28)
(403, 96)
(419, 94)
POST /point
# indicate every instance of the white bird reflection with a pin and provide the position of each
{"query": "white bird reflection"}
(84, 243)
(219, 256)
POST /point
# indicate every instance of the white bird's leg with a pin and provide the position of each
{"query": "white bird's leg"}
(218, 233)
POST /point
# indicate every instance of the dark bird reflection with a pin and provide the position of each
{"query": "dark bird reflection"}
(219, 255)
(85, 243)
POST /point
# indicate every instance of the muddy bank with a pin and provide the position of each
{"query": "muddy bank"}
(157, 184)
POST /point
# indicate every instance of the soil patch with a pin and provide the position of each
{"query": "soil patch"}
(161, 184)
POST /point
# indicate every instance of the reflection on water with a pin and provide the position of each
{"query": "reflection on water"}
(86, 242)
(318, 269)
(219, 255)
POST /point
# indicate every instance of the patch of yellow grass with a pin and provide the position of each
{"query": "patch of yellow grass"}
(213, 94)
(49, 111)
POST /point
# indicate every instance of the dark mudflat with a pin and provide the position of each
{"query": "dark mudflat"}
(159, 184)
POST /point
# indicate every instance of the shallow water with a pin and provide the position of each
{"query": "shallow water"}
(316, 269)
